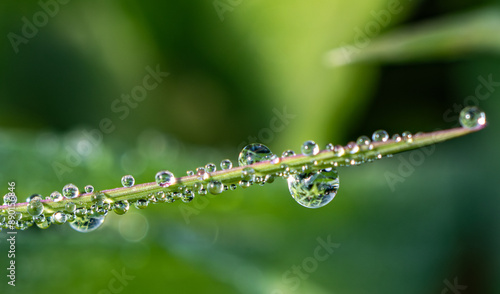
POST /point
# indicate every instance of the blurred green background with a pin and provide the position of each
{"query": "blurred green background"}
(235, 67)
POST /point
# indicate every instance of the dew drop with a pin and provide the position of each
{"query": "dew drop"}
(363, 140)
(70, 207)
(87, 223)
(128, 181)
(202, 174)
(253, 153)
(226, 164)
(44, 223)
(210, 167)
(233, 187)
(314, 189)
(288, 153)
(160, 196)
(39, 219)
(9, 199)
(407, 137)
(187, 197)
(141, 204)
(190, 172)
(309, 148)
(396, 138)
(339, 150)
(70, 191)
(165, 178)
(35, 206)
(34, 197)
(330, 147)
(269, 179)
(121, 207)
(59, 218)
(89, 189)
(215, 187)
(81, 211)
(380, 136)
(352, 147)
(472, 117)
(275, 159)
(248, 174)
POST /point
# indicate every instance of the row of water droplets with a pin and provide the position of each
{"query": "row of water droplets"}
(310, 187)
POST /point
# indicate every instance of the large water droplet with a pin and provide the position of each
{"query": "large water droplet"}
(472, 117)
(253, 153)
(314, 189)
(70, 191)
(128, 181)
(309, 148)
(165, 178)
(87, 223)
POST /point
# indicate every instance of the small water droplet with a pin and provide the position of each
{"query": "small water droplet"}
(248, 174)
(9, 199)
(121, 207)
(275, 159)
(165, 178)
(34, 197)
(87, 223)
(81, 211)
(226, 164)
(141, 204)
(190, 173)
(352, 147)
(314, 189)
(35, 206)
(44, 223)
(70, 207)
(89, 189)
(70, 191)
(363, 140)
(253, 153)
(128, 181)
(309, 148)
(396, 138)
(233, 187)
(329, 147)
(380, 136)
(472, 117)
(338, 150)
(269, 179)
(215, 187)
(160, 196)
(210, 167)
(288, 153)
(407, 137)
(187, 197)
(169, 198)
(59, 218)
(56, 196)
